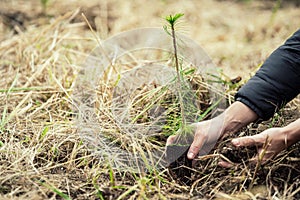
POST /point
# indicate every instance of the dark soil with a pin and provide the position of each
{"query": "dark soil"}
(238, 155)
(181, 168)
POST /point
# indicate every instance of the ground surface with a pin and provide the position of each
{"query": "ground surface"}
(41, 50)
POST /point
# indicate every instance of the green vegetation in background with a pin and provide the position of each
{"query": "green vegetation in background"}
(44, 4)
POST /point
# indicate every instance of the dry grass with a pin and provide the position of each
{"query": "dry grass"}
(41, 154)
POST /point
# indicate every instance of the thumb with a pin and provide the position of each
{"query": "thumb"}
(247, 141)
(196, 146)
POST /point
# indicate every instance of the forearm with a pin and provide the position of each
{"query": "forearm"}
(292, 132)
(236, 116)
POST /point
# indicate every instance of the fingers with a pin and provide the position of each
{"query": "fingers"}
(225, 164)
(196, 146)
(248, 141)
(171, 139)
(252, 162)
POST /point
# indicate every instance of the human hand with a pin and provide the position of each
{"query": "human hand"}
(269, 143)
(204, 136)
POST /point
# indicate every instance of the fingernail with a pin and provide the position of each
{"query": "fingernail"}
(190, 155)
(235, 142)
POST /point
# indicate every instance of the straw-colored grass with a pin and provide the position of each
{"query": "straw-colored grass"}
(42, 156)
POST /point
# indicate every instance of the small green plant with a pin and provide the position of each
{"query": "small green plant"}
(172, 21)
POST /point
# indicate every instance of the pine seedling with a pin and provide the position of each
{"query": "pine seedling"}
(177, 153)
(172, 21)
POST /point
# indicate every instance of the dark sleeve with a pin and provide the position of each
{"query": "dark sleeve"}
(277, 81)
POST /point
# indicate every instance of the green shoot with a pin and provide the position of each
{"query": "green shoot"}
(57, 191)
(111, 176)
(172, 19)
(203, 115)
(44, 132)
(99, 192)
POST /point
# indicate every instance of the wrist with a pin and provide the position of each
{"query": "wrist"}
(237, 116)
(292, 132)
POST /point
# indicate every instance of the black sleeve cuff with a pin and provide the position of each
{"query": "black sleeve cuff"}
(252, 107)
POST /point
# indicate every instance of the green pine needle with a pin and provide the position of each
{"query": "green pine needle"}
(173, 18)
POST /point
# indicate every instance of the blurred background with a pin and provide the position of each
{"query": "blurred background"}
(237, 34)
